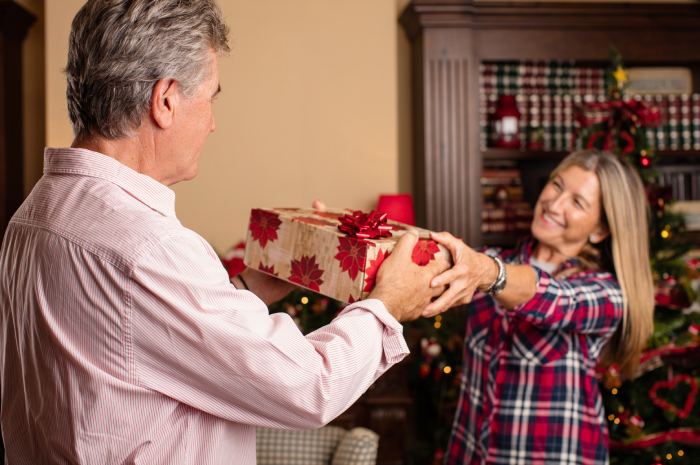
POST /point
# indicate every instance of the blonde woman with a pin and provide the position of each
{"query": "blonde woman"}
(542, 317)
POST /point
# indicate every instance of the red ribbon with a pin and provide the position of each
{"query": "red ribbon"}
(365, 226)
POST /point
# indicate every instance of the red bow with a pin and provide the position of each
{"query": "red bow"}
(612, 114)
(365, 226)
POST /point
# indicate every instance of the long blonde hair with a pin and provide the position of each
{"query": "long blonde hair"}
(625, 252)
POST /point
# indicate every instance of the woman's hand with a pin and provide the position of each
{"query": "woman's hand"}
(268, 288)
(471, 270)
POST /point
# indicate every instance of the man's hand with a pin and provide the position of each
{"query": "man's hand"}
(471, 270)
(268, 288)
(403, 286)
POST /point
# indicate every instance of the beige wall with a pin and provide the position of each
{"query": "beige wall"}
(308, 109)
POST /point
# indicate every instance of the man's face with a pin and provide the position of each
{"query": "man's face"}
(193, 122)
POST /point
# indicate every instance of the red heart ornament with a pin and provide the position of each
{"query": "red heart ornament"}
(689, 401)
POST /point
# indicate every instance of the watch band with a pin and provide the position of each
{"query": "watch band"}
(499, 284)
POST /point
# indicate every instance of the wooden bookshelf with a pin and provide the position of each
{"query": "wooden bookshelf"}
(450, 38)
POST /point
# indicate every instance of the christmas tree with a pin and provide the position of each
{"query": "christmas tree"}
(652, 419)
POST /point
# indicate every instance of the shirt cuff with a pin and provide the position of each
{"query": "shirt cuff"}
(393, 342)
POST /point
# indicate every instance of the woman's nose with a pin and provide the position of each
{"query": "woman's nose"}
(556, 205)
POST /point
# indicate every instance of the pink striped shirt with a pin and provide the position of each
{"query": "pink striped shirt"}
(124, 342)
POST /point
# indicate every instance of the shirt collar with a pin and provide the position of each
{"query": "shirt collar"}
(88, 163)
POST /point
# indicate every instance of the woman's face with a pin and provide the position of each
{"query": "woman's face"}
(568, 212)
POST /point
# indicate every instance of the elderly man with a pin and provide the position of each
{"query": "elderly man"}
(123, 340)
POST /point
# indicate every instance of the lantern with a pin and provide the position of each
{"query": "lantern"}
(506, 123)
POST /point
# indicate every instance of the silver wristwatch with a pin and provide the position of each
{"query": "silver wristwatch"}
(499, 284)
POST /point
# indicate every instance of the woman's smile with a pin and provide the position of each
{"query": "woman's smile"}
(549, 221)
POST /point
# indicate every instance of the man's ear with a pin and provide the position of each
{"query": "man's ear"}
(164, 100)
(599, 234)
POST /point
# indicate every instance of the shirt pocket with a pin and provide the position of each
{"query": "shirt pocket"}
(537, 346)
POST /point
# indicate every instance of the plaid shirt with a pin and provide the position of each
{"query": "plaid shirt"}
(529, 393)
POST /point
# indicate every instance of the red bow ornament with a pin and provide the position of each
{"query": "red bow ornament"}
(612, 115)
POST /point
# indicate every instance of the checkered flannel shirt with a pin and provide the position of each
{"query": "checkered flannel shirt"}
(529, 393)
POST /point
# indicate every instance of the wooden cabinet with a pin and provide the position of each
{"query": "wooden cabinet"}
(14, 23)
(450, 38)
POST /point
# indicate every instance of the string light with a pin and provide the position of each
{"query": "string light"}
(611, 417)
(617, 421)
(680, 453)
(447, 370)
(644, 161)
(664, 234)
(438, 318)
(304, 300)
(669, 456)
(437, 325)
(614, 391)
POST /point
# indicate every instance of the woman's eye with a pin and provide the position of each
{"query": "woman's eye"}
(556, 184)
(578, 204)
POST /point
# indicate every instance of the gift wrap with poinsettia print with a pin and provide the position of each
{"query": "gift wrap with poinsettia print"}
(305, 247)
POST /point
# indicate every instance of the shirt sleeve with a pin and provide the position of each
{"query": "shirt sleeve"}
(199, 340)
(583, 303)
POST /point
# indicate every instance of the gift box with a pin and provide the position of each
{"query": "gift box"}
(334, 252)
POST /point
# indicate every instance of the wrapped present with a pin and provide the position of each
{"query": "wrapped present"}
(334, 252)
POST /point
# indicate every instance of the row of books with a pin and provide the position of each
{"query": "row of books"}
(547, 121)
(504, 210)
(541, 77)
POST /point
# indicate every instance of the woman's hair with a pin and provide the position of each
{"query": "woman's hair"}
(625, 252)
(119, 49)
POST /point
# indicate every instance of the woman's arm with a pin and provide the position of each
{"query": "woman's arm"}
(473, 271)
(588, 303)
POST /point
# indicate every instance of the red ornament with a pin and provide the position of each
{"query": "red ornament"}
(689, 401)
(365, 226)
(264, 226)
(352, 255)
(424, 251)
(307, 273)
(371, 273)
(506, 123)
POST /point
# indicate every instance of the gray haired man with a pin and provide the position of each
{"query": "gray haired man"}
(122, 339)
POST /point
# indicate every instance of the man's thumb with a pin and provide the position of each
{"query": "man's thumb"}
(406, 243)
